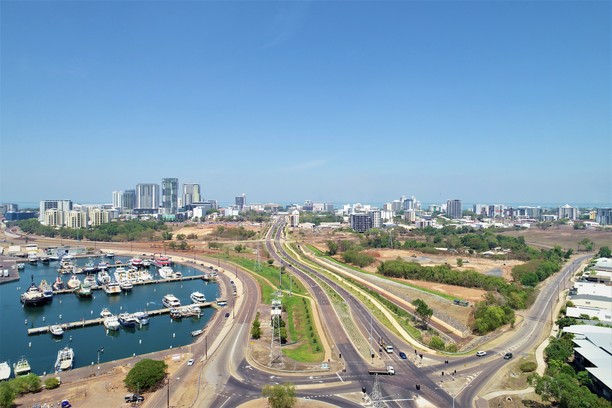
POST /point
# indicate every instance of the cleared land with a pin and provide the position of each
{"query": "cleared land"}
(564, 235)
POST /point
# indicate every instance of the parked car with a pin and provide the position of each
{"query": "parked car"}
(507, 356)
(190, 362)
(227, 315)
(481, 353)
(134, 398)
(402, 355)
(66, 404)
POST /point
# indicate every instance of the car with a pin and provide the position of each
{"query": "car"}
(507, 356)
(481, 353)
(402, 355)
(133, 398)
(191, 361)
(66, 404)
(227, 314)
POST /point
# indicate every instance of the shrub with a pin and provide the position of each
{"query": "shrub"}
(51, 383)
(145, 375)
(528, 366)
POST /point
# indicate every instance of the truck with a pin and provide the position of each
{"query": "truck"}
(388, 371)
(385, 346)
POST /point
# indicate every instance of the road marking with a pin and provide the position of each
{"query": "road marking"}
(228, 398)
(339, 377)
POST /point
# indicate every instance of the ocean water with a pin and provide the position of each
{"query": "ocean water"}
(41, 350)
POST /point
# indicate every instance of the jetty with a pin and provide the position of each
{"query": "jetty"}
(98, 321)
(150, 282)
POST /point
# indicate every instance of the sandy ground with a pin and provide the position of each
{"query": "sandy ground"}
(301, 403)
(204, 229)
(564, 235)
(470, 294)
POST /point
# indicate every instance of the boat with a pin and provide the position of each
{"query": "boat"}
(190, 310)
(54, 258)
(103, 277)
(162, 261)
(178, 274)
(166, 272)
(89, 267)
(33, 259)
(66, 267)
(58, 284)
(90, 281)
(111, 322)
(20, 266)
(127, 320)
(64, 359)
(5, 371)
(45, 259)
(22, 367)
(56, 330)
(102, 265)
(146, 263)
(136, 262)
(141, 317)
(112, 288)
(83, 292)
(175, 314)
(196, 333)
(46, 289)
(171, 301)
(73, 282)
(197, 297)
(126, 285)
(110, 254)
(67, 257)
(105, 313)
(33, 296)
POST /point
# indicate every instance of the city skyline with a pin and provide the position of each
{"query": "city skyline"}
(335, 102)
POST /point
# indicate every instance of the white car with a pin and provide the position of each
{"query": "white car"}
(481, 353)
(190, 362)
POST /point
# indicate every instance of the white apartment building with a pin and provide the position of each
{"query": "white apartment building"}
(294, 218)
(569, 212)
(76, 219)
(62, 205)
(54, 218)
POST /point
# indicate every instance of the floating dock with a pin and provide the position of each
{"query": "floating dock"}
(100, 320)
(150, 282)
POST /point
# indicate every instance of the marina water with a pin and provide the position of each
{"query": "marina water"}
(41, 350)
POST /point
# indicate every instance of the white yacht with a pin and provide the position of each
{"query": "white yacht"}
(22, 367)
(141, 317)
(64, 359)
(56, 330)
(171, 301)
(103, 277)
(5, 371)
(197, 297)
(112, 288)
(73, 282)
(112, 322)
(105, 313)
(166, 272)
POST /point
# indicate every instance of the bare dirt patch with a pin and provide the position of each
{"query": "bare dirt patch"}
(470, 294)
(564, 235)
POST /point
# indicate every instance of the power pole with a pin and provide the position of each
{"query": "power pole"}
(376, 395)
(276, 354)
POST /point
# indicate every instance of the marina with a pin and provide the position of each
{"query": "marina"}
(32, 338)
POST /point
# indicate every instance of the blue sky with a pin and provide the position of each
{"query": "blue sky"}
(328, 101)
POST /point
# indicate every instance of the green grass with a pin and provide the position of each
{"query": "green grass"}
(410, 285)
(298, 312)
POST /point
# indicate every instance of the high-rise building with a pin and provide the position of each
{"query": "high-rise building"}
(117, 199)
(604, 216)
(128, 200)
(375, 218)
(360, 222)
(294, 218)
(54, 218)
(191, 194)
(569, 212)
(240, 202)
(408, 204)
(169, 202)
(62, 205)
(76, 219)
(147, 196)
(453, 209)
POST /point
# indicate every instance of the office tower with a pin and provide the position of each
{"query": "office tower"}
(453, 209)
(361, 222)
(117, 199)
(191, 194)
(128, 200)
(375, 218)
(147, 195)
(169, 202)
(294, 218)
(240, 202)
(604, 216)
(569, 212)
(62, 205)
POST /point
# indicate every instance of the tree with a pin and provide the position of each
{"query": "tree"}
(280, 395)
(239, 248)
(7, 395)
(256, 329)
(604, 252)
(459, 262)
(145, 375)
(51, 383)
(166, 236)
(180, 237)
(423, 311)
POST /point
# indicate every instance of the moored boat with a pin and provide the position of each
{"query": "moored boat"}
(126, 285)
(65, 358)
(166, 272)
(73, 282)
(33, 296)
(197, 297)
(197, 332)
(102, 265)
(45, 259)
(22, 367)
(112, 288)
(136, 262)
(127, 320)
(103, 277)
(141, 317)
(111, 322)
(105, 313)
(33, 259)
(110, 254)
(90, 281)
(20, 266)
(175, 314)
(46, 289)
(58, 284)
(89, 267)
(171, 301)
(5, 371)
(56, 330)
(83, 292)
(162, 261)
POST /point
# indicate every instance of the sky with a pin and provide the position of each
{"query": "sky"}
(332, 101)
